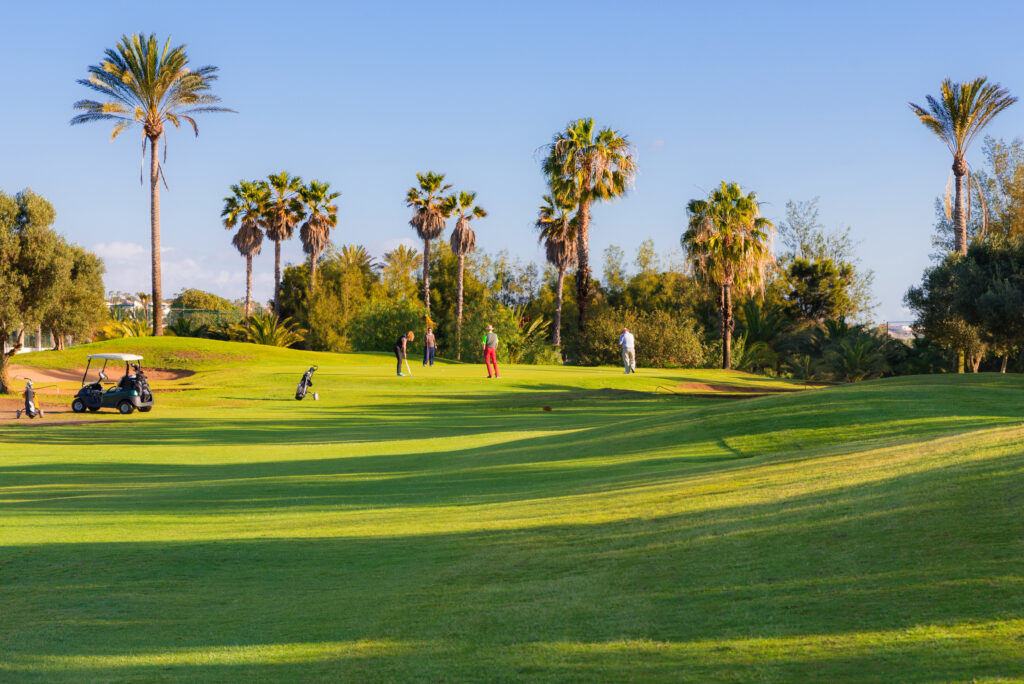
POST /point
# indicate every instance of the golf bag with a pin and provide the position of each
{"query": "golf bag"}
(140, 383)
(30, 410)
(305, 383)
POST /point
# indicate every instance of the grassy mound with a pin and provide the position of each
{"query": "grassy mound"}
(447, 527)
(184, 353)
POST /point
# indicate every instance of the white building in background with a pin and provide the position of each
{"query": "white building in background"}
(34, 340)
(900, 330)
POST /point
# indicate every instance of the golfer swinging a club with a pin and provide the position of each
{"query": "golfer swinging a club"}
(401, 346)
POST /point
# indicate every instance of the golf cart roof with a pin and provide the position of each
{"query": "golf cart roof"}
(115, 357)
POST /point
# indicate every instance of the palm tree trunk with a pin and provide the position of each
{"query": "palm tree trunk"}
(458, 311)
(248, 288)
(959, 214)
(557, 341)
(727, 326)
(154, 225)
(583, 267)
(1002, 368)
(312, 272)
(426, 275)
(277, 277)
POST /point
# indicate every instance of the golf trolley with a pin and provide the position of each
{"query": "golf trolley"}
(130, 393)
(305, 383)
(31, 409)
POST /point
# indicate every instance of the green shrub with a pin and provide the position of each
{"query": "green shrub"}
(663, 339)
(379, 323)
(186, 327)
(327, 323)
(506, 325)
(268, 329)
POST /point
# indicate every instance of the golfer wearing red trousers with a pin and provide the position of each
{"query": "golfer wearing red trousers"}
(490, 345)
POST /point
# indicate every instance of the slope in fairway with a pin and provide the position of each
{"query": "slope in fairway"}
(445, 527)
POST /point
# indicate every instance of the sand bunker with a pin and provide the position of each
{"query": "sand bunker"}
(56, 402)
(45, 375)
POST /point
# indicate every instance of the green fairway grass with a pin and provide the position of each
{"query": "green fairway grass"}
(445, 527)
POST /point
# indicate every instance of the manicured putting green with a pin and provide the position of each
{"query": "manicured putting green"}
(446, 527)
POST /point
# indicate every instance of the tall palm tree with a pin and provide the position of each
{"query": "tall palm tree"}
(463, 242)
(592, 165)
(321, 216)
(284, 212)
(729, 245)
(399, 266)
(429, 218)
(956, 117)
(558, 233)
(143, 83)
(246, 209)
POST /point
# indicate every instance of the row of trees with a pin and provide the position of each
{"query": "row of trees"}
(584, 164)
(726, 241)
(432, 208)
(273, 208)
(141, 82)
(45, 281)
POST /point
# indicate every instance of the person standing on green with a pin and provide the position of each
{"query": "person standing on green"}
(490, 346)
(429, 347)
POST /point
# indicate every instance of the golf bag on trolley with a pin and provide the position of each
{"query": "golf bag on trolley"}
(305, 383)
(31, 409)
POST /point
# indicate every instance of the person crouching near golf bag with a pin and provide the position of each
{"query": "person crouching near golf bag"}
(401, 347)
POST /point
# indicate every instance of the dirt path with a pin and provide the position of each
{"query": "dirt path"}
(734, 389)
(58, 412)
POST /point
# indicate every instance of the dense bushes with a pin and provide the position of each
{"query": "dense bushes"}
(974, 303)
(379, 323)
(663, 339)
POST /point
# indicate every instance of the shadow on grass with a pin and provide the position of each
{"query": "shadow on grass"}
(795, 590)
(518, 465)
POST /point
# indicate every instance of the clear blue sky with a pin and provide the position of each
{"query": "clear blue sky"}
(792, 100)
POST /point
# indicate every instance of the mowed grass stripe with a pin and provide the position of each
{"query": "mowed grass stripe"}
(449, 529)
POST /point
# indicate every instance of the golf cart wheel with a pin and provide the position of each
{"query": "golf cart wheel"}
(145, 409)
(78, 406)
(125, 407)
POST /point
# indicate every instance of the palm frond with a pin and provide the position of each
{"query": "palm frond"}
(962, 111)
(727, 241)
(144, 83)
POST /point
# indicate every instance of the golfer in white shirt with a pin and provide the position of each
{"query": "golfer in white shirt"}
(628, 344)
